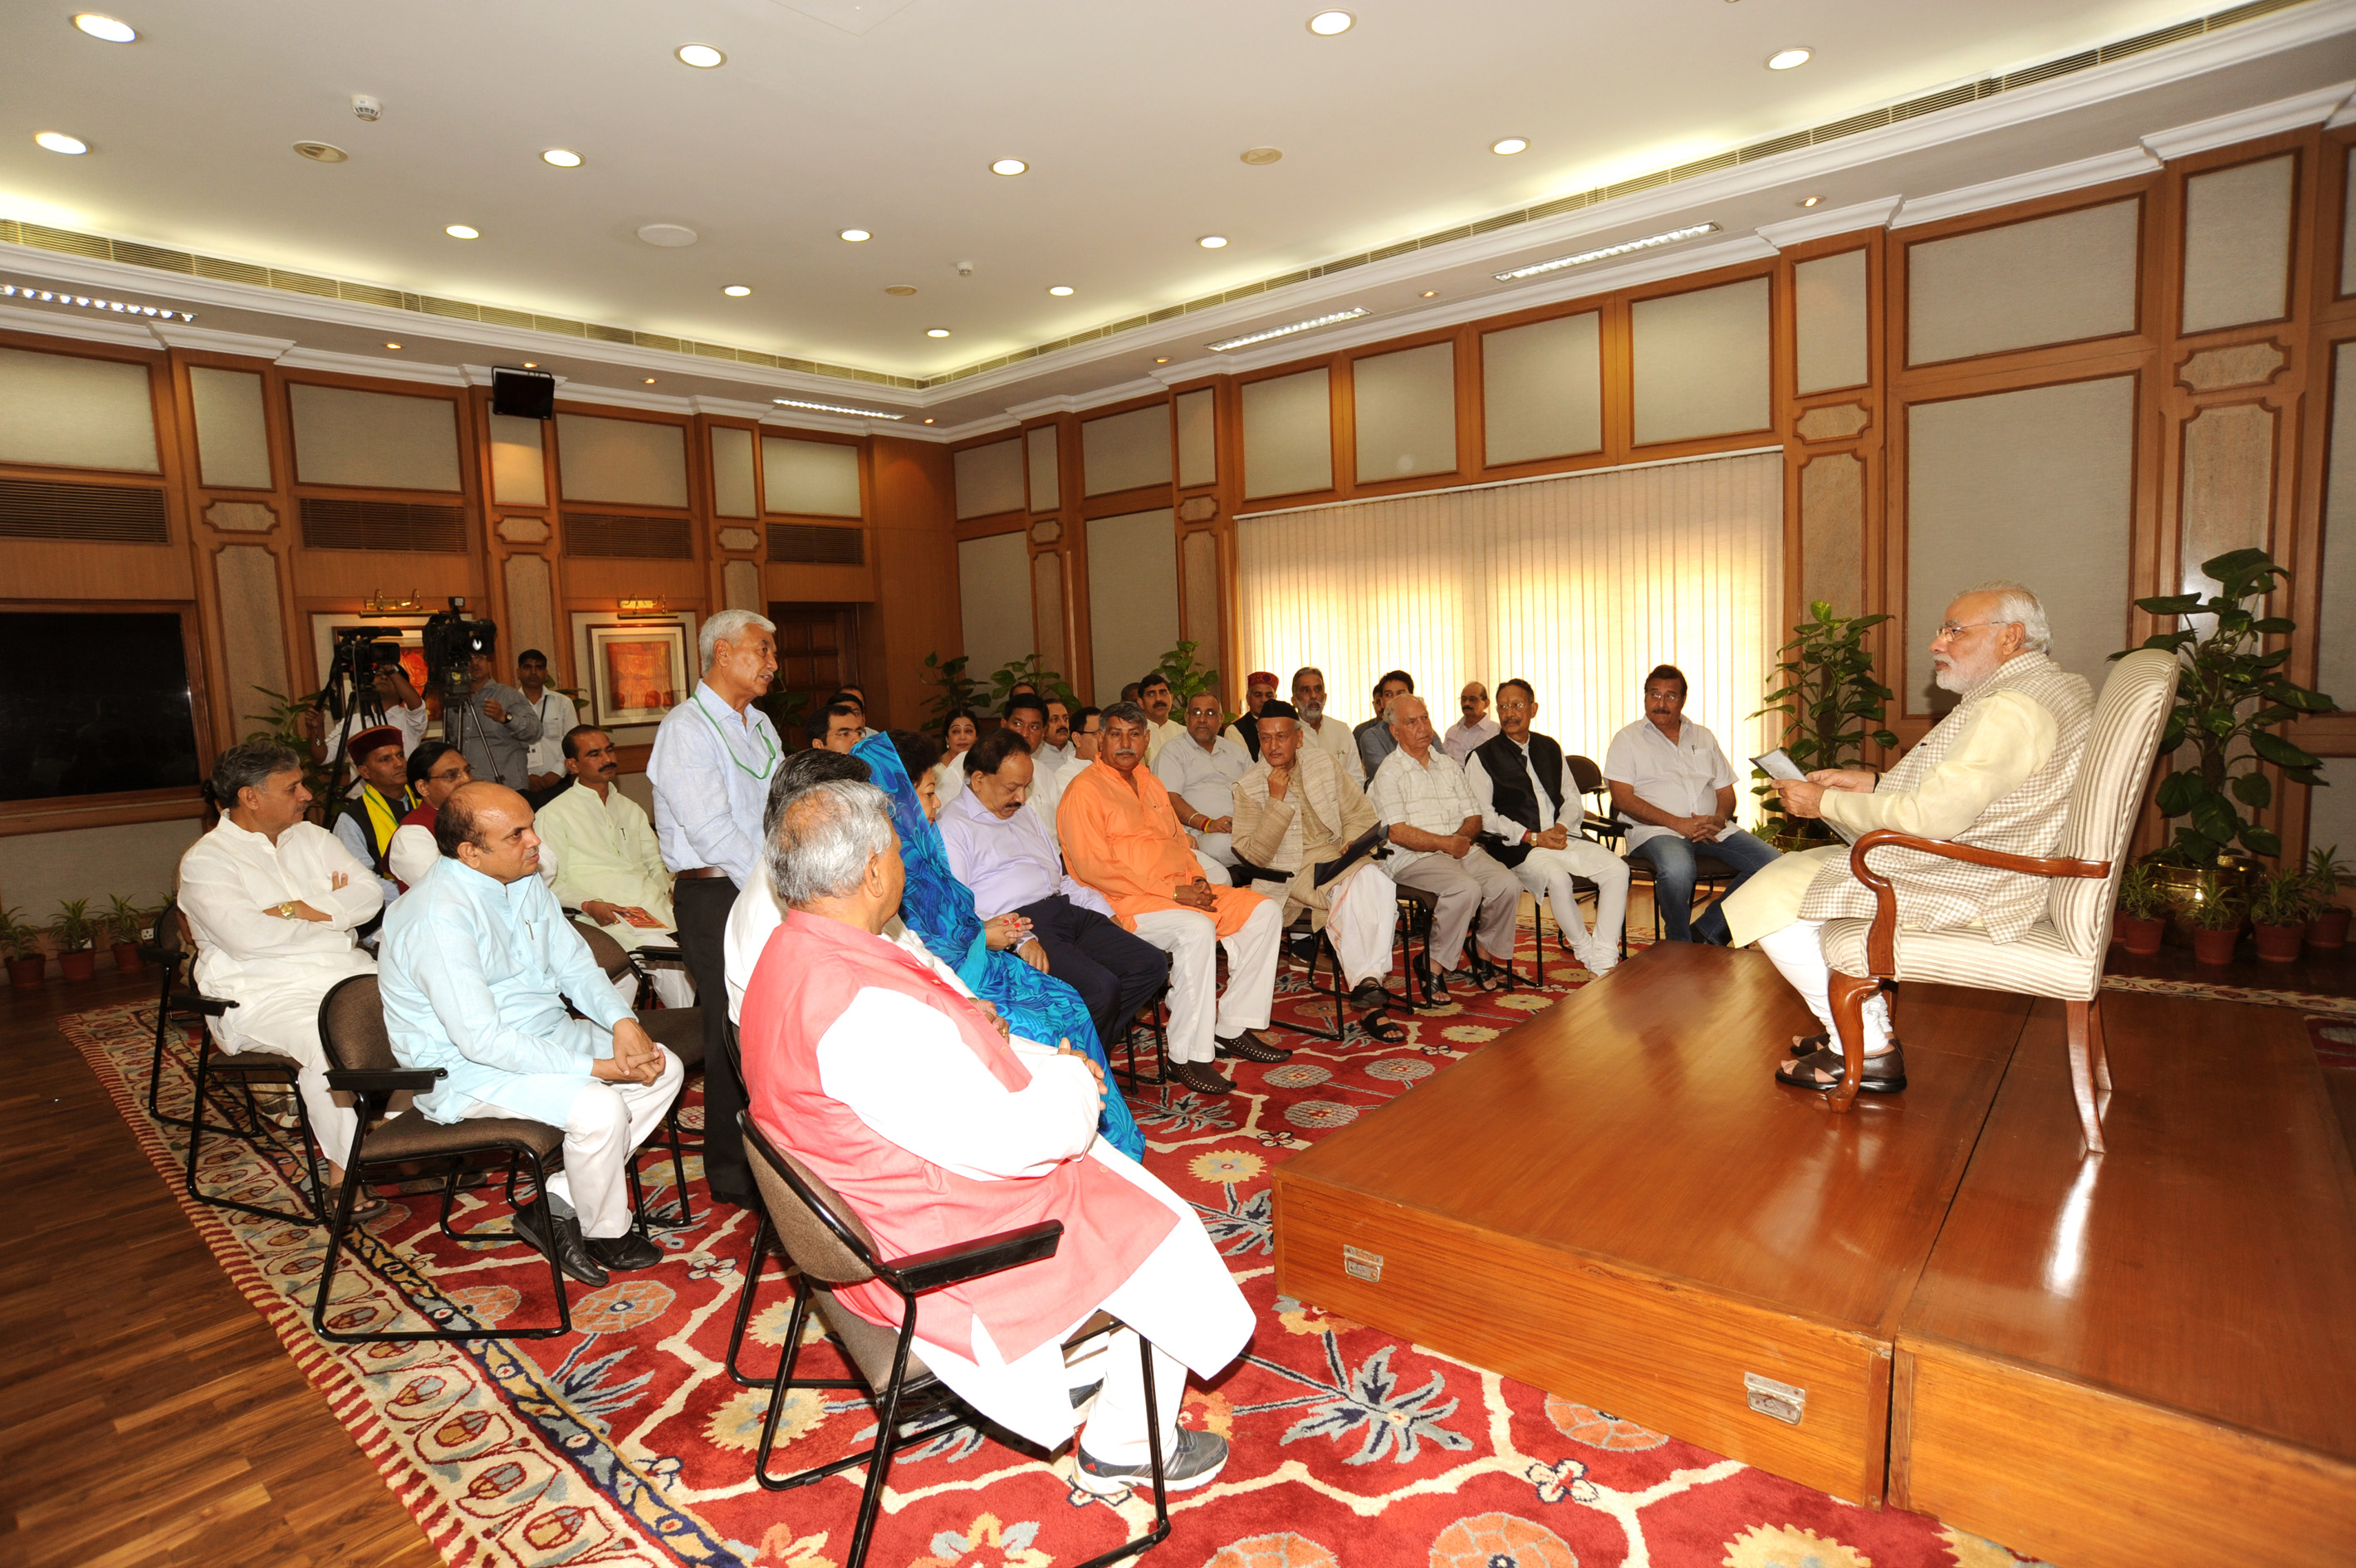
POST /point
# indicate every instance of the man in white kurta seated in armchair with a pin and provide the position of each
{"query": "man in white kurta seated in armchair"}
(609, 866)
(903, 1096)
(1996, 773)
(274, 900)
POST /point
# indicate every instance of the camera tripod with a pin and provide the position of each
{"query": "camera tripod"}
(347, 695)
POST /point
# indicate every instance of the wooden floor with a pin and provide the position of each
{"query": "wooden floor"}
(151, 1417)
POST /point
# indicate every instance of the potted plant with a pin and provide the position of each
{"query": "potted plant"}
(124, 921)
(2327, 922)
(954, 692)
(75, 932)
(2215, 916)
(2231, 705)
(23, 944)
(2278, 910)
(1830, 703)
(2144, 904)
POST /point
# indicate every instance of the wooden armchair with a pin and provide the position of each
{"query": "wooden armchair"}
(2062, 955)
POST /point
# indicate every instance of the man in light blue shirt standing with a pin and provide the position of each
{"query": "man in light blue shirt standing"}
(474, 974)
(713, 761)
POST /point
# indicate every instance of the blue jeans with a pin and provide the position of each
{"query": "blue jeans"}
(1671, 857)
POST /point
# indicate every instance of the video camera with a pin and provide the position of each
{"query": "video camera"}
(362, 653)
(451, 640)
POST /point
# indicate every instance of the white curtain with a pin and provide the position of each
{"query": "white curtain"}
(1578, 585)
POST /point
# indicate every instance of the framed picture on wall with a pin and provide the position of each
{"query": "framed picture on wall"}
(638, 673)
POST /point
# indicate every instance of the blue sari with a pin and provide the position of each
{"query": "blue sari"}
(939, 909)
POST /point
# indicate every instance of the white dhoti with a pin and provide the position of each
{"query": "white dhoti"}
(1798, 955)
(1191, 939)
(603, 1130)
(1361, 921)
(1546, 874)
(285, 1022)
(1181, 1298)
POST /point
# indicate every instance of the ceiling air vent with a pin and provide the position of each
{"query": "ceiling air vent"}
(117, 514)
(814, 544)
(617, 536)
(383, 525)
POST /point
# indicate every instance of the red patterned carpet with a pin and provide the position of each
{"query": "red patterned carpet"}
(627, 1443)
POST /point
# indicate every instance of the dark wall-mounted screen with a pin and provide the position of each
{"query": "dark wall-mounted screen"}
(93, 704)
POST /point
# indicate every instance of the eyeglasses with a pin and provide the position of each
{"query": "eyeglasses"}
(1953, 629)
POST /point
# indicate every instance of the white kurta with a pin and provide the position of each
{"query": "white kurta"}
(606, 851)
(756, 913)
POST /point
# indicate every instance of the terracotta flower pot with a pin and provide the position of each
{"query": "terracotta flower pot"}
(126, 958)
(79, 964)
(2327, 931)
(2142, 937)
(24, 973)
(2215, 947)
(2280, 944)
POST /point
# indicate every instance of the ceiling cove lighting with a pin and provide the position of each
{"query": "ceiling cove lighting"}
(856, 236)
(1060, 290)
(58, 142)
(1326, 24)
(83, 301)
(737, 290)
(463, 231)
(1792, 59)
(1248, 339)
(1008, 166)
(106, 28)
(703, 57)
(1510, 146)
(561, 157)
(1669, 237)
(836, 408)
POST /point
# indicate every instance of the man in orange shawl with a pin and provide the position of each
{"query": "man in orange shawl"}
(1121, 837)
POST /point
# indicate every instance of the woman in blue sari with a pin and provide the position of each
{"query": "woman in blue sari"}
(939, 909)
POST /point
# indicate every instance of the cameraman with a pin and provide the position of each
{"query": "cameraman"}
(404, 710)
(498, 727)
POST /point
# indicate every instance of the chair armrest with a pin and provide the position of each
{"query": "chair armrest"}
(198, 1002)
(160, 956)
(391, 1081)
(1882, 938)
(652, 954)
(921, 1271)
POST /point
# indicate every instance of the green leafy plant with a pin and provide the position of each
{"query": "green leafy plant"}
(2325, 872)
(2231, 705)
(2142, 895)
(1187, 678)
(18, 939)
(954, 692)
(124, 919)
(1824, 692)
(2214, 907)
(786, 710)
(1031, 670)
(2283, 898)
(284, 721)
(73, 927)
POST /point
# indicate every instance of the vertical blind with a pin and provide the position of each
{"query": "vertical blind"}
(1578, 586)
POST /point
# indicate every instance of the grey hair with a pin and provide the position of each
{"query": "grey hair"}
(799, 771)
(249, 764)
(825, 837)
(1128, 713)
(727, 626)
(2017, 605)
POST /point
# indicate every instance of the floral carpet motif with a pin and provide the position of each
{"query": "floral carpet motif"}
(626, 1442)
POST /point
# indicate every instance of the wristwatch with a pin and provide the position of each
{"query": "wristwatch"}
(286, 911)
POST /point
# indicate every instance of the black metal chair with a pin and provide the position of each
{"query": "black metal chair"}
(361, 1063)
(1155, 1018)
(1299, 935)
(678, 1030)
(829, 1248)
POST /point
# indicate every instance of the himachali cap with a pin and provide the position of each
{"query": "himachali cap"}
(1262, 677)
(367, 740)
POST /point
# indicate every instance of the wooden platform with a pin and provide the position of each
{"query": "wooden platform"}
(2143, 1359)
(1614, 1201)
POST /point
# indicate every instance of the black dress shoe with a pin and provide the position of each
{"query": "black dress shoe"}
(536, 1225)
(1200, 1077)
(620, 1254)
(1251, 1046)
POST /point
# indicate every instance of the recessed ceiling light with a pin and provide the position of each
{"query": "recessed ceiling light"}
(703, 57)
(650, 380)
(1059, 290)
(531, 364)
(1810, 200)
(670, 236)
(1213, 241)
(322, 152)
(563, 157)
(1261, 156)
(1328, 319)
(1510, 146)
(856, 235)
(928, 421)
(900, 290)
(1432, 293)
(1325, 24)
(58, 142)
(106, 27)
(1791, 59)
(737, 290)
(1008, 166)
(1668, 237)
(392, 345)
(936, 331)
(461, 231)
(1162, 360)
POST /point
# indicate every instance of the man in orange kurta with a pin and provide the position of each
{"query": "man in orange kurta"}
(1122, 838)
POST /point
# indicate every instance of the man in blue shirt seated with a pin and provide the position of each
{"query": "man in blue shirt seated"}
(476, 972)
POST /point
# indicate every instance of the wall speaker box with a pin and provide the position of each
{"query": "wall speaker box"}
(527, 394)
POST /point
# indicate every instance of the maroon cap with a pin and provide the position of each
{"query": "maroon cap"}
(367, 740)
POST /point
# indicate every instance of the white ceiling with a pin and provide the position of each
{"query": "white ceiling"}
(1130, 115)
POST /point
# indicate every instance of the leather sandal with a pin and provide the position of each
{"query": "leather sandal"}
(1379, 1026)
(1884, 1074)
(1806, 1044)
(1251, 1046)
(1200, 1077)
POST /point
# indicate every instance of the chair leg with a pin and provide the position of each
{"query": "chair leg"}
(1848, 994)
(2098, 1046)
(753, 1263)
(2083, 1033)
(887, 1422)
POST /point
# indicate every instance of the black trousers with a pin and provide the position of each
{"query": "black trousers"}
(700, 906)
(1115, 972)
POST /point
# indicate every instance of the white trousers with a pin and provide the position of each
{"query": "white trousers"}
(672, 983)
(1219, 849)
(286, 1023)
(1180, 1297)
(1799, 956)
(1191, 939)
(1361, 921)
(1546, 874)
(604, 1129)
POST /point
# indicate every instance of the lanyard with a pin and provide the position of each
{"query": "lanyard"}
(766, 744)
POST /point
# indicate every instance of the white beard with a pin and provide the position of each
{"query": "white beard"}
(1311, 713)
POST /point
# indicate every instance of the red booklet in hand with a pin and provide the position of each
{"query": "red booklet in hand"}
(637, 916)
